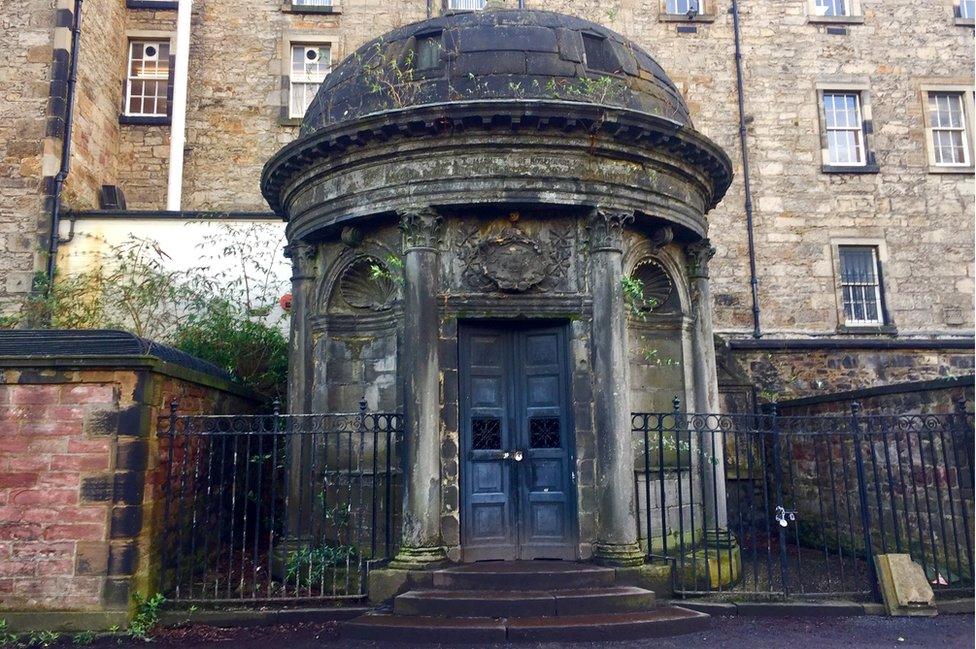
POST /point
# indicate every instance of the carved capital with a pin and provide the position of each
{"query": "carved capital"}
(699, 254)
(302, 256)
(421, 227)
(606, 229)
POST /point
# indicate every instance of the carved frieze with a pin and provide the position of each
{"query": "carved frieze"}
(512, 261)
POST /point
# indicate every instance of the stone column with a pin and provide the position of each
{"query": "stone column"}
(616, 538)
(705, 388)
(299, 513)
(421, 543)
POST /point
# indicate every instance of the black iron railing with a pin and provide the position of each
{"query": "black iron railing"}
(800, 505)
(276, 507)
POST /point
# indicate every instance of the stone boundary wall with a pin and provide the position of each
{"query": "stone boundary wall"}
(939, 396)
(79, 482)
(783, 373)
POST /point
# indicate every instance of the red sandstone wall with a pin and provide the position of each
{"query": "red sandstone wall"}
(78, 485)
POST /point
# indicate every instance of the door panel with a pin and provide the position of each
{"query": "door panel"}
(514, 397)
(488, 510)
(547, 497)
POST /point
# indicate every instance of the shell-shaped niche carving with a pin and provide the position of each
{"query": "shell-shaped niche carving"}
(656, 283)
(366, 283)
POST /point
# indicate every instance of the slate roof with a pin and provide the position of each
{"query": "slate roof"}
(496, 54)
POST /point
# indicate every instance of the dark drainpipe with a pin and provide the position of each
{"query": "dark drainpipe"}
(62, 175)
(747, 185)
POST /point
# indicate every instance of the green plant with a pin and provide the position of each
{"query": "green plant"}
(7, 637)
(633, 294)
(41, 639)
(393, 270)
(310, 565)
(146, 616)
(83, 638)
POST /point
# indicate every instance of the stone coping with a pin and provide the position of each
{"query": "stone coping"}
(109, 349)
(881, 390)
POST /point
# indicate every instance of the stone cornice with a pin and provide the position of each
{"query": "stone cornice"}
(620, 124)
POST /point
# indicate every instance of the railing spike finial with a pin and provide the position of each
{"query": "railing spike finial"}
(676, 403)
(855, 408)
(174, 405)
(276, 405)
(774, 409)
(961, 405)
(363, 404)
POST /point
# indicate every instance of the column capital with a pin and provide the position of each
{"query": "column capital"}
(699, 254)
(606, 229)
(301, 255)
(421, 227)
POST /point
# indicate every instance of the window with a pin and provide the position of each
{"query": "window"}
(967, 9)
(831, 8)
(465, 5)
(311, 3)
(309, 66)
(683, 6)
(860, 281)
(599, 55)
(147, 79)
(428, 51)
(844, 129)
(947, 129)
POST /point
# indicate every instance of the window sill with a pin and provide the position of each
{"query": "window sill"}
(842, 169)
(310, 9)
(145, 120)
(148, 4)
(682, 18)
(965, 22)
(939, 169)
(289, 121)
(868, 330)
(835, 20)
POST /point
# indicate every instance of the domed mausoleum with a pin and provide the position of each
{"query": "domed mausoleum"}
(498, 227)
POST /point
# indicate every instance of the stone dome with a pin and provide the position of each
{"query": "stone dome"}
(495, 54)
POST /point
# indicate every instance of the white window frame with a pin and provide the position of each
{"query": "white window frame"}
(961, 17)
(966, 96)
(682, 7)
(866, 289)
(311, 3)
(303, 78)
(157, 40)
(852, 12)
(465, 5)
(859, 130)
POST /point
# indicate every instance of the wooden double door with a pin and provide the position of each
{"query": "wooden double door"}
(517, 444)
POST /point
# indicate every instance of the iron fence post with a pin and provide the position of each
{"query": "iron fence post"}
(862, 495)
(960, 429)
(777, 479)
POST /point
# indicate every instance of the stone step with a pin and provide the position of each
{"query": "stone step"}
(519, 575)
(659, 622)
(493, 603)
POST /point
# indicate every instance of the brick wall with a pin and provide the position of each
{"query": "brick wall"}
(79, 481)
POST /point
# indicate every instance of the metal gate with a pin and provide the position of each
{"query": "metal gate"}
(260, 508)
(798, 506)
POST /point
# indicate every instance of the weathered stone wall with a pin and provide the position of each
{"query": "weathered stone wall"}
(80, 482)
(789, 374)
(26, 28)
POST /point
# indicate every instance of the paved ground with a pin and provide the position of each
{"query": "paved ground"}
(944, 632)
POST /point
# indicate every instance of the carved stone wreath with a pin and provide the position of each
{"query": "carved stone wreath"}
(512, 261)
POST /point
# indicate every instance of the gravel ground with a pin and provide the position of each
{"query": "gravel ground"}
(866, 632)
